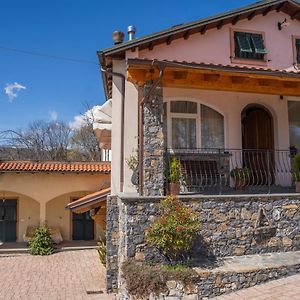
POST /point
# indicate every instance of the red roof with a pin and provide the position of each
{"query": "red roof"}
(89, 200)
(55, 167)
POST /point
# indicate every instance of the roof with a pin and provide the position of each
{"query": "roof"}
(54, 167)
(293, 71)
(289, 7)
(89, 201)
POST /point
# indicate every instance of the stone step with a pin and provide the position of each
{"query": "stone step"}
(234, 273)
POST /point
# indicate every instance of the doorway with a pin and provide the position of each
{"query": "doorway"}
(8, 220)
(258, 144)
(83, 227)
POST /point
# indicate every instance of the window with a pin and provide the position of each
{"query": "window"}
(249, 46)
(294, 123)
(193, 125)
(297, 50)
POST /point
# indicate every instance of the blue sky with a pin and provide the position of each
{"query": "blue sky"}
(74, 29)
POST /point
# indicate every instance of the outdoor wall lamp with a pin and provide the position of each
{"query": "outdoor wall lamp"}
(282, 24)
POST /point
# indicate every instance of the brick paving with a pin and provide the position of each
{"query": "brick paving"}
(282, 289)
(63, 275)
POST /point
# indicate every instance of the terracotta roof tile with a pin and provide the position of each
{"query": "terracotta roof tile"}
(54, 166)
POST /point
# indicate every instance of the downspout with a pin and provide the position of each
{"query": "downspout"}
(141, 121)
(120, 75)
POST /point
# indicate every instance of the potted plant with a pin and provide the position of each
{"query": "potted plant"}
(174, 176)
(296, 171)
(240, 176)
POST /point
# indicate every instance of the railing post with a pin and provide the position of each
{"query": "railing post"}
(269, 171)
(219, 171)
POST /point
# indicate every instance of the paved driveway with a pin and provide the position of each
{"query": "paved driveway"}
(282, 289)
(64, 275)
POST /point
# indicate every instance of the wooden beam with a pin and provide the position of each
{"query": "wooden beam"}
(252, 15)
(150, 47)
(235, 20)
(266, 11)
(186, 35)
(294, 15)
(220, 25)
(280, 6)
(169, 40)
(219, 81)
(203, 29)
(133, 49)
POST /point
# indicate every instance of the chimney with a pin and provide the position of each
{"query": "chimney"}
(118, 37)
(131, 32)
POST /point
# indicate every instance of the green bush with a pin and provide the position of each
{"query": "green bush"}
(174, 170)
(41, 242)
(174, 231)
(296, 167)
(142, 279)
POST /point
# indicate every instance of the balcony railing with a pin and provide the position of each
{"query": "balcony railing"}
(229, 171)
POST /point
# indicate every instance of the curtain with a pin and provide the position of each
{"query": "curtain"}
(184, 133)
(294, 123)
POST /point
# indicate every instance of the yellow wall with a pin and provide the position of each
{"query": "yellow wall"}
(42, 198)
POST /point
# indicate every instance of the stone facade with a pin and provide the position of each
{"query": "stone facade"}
(231, 225)
(209, 286)
(154, 145)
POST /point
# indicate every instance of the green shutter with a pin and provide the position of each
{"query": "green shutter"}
(297, 42)
(258, 44)
(243, 42)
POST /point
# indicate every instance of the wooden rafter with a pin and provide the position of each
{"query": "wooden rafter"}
(219, 80)
(186, 35)
(235, 20)
(280, 6)
(203, 29)
(266, 11)
(252, 15)
(169, 40)
(220, 25)
(294, 15)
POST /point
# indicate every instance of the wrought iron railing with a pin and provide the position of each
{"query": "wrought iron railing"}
(221, 171)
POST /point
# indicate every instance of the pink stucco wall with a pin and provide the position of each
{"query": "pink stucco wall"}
(214, 46)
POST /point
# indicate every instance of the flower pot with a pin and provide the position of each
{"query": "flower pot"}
(297, 186)
(240, 184)
(174, 188)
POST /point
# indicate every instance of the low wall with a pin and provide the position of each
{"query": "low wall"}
(231, 225)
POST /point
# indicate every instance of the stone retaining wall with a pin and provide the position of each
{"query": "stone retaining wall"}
(231, 225)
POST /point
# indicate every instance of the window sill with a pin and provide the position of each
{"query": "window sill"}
(253, 62)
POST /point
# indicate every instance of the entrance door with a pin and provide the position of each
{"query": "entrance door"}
(8, 220)
(258, 144)
(83, 226)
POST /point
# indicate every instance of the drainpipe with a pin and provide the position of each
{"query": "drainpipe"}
(120, 75)
(141, 120)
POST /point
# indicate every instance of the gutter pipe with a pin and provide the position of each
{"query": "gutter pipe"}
(141, 119)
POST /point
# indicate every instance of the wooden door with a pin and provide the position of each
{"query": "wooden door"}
(258, 144)
(8, 220)
(83, 226)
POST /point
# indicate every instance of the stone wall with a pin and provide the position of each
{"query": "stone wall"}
(154, 147)
(231, 225)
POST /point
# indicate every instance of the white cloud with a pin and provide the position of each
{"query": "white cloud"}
(87, 117)
(12, 89)
(53, 115)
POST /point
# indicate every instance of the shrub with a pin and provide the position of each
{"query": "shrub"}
(153, 278)
(41, 242)
(174, 231)
(296, 167)
(102, 250)
(174, 170)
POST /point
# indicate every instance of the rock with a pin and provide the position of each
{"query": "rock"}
(287, 242)
(218, 282)
(274, 242)
(190, 297)
(246, 214)
(140, 256)
(239, 251)
(190, 289)
(290, 206)
(222, 227)
(220, 217)
(171, 284)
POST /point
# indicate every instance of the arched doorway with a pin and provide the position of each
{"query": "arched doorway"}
(257, 126)
(258, 144)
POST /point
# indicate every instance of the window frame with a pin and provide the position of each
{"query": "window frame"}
(294, 38)
(197, 117)
(246, 61)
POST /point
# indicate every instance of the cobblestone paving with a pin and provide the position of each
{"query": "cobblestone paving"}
(282, 289)
(63, 275)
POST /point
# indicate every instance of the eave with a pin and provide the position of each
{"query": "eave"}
(215, 77)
